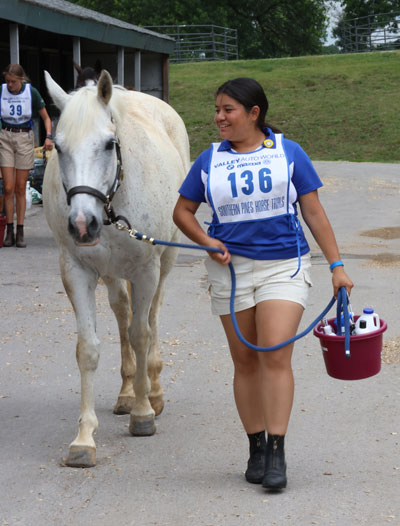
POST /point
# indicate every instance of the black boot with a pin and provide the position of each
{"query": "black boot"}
(20, 243)
(256, 462)
(9, 240)
(275, 465)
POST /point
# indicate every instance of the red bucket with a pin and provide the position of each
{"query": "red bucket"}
(3, 222)
(365, 353)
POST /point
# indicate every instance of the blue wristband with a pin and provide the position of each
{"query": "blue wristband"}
(338, 263)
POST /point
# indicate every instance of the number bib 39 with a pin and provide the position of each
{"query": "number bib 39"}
(250, 186)
(16, 109)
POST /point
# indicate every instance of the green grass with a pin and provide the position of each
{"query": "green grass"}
(337, 107)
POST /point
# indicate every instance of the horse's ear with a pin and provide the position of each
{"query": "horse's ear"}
(104, 87)
(78, 68)
(59, 96)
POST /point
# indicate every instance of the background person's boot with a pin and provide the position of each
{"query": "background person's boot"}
(9, 240)
(20, 243)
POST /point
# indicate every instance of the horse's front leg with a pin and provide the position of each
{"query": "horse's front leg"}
(143, 291)
(80, 285)
(120, 303)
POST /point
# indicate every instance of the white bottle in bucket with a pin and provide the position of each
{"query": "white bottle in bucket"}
(367, 322)
(326, 328)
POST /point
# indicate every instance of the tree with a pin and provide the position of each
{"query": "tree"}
(280, 27)
(267, 28)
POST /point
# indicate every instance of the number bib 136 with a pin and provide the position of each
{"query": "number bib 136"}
(250, 186)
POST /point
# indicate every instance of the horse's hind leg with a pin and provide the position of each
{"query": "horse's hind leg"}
(80, 285)
(155, 362)
(144, 288)
(120, 304)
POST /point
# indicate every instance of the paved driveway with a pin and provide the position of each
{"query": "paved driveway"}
(343, 441)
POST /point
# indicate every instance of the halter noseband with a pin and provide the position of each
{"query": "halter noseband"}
(105, 198)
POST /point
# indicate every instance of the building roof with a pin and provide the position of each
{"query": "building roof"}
(60, 16)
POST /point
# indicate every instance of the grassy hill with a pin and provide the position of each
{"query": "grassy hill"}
(338, 107)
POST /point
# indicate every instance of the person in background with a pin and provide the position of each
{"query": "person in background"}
(254, 180)
(20, 102)
(1, 195)
(86, 76)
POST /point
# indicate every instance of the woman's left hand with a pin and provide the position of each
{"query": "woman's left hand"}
(48, 144)
(341, 279)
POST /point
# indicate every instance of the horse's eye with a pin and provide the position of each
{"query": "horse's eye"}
(110, 144)
(57, 147)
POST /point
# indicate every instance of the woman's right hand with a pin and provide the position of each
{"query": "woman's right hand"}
(223, 259)
(341, 279)
(185, 220)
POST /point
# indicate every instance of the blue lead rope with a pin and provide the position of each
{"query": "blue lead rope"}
(342, 302)
(273, 347)
(343, 307)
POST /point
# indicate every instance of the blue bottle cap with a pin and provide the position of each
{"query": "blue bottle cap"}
(368, 310)
(342, 319)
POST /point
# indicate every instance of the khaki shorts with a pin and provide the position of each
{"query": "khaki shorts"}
(258, 281)
(17, 149)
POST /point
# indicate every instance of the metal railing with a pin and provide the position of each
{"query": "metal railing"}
(371, 33)
(200, 42)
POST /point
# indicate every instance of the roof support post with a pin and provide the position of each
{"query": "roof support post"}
(76, 55)
(14, 44)
(165, 78)
(121, 66)
(138, 59)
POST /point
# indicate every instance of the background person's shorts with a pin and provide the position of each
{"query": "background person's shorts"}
(258, 280)
(17, 149)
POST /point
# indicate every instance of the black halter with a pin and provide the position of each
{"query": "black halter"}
(105, 198)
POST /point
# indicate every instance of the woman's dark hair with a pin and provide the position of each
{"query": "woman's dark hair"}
(249, 93)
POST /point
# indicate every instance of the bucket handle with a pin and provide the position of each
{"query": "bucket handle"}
(343, 307)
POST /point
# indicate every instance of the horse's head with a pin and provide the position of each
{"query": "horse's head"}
(87, 149)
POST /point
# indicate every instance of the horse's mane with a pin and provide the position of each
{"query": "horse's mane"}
(81, 113)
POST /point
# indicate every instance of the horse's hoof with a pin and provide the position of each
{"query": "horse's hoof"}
(142, 426)
(124, 405)
(157, 403)
(81, 457)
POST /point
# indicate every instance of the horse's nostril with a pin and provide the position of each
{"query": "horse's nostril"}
(93, 226)
(71, 227)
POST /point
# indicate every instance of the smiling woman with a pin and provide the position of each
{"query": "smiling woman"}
(253, 180)
(239, 116)
(234, 123)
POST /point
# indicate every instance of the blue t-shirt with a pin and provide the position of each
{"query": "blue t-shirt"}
(273, 238)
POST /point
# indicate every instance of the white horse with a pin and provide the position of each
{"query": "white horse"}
(82, 173)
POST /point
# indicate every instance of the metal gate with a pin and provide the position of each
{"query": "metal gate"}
(370, 33)
(200, 42)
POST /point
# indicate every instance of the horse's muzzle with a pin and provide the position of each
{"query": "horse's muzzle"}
(84, 229)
